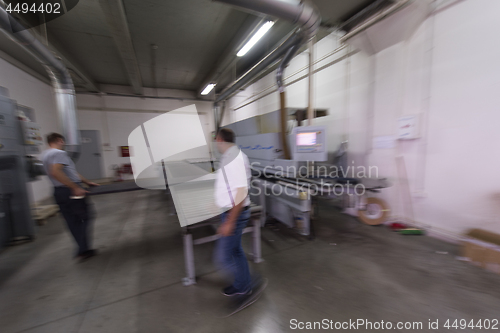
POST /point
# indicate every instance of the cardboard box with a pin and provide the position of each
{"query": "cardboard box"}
(492, 261)
(482, 253)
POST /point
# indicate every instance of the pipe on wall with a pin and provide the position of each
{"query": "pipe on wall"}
(281, 88)
(269, 90)
(283, 123)
(399, 4)
(58, 73)
(310, 75)
(280, 71)
(301, 13)
(260, 66)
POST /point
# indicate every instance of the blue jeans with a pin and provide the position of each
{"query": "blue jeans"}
(229, 255)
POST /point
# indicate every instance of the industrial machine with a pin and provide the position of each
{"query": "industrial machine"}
(291, 185)
(20, 138)
(20, 135)
(284, 160)
(285, 199)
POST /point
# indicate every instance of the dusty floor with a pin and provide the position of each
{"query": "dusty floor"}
(349, 272)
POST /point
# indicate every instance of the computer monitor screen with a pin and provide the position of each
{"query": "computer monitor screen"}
(306, 139)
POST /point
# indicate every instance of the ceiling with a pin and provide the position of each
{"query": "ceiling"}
(172, 44)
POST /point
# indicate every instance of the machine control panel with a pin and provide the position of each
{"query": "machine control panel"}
(32, 133)
(309, 143)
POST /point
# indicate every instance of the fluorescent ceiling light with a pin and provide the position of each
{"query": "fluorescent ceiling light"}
(255, 38)
(208, 88)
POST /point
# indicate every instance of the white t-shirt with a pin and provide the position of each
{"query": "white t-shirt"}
(234, 164)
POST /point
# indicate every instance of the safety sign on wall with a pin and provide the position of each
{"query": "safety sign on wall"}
(124, 151)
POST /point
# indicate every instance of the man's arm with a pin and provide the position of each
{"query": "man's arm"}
(57, 172)
(227, 228)
(86, 181)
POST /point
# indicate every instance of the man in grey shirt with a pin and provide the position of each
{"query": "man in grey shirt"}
(68, 193)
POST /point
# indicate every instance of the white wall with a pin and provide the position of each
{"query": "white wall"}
(448, 72)
(462, 181)
(115, 126)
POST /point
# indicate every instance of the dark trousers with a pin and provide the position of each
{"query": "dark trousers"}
(76, 212)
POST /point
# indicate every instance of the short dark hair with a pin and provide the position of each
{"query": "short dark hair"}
(226, 135)
(53, 137)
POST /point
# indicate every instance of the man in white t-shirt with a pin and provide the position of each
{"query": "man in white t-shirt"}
(231, 195)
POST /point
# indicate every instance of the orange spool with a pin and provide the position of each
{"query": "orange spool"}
(376, 212)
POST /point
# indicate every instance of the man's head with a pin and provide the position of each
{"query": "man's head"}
(224, 139)
(55, 140)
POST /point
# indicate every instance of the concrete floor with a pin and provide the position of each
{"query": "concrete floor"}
(349, 272)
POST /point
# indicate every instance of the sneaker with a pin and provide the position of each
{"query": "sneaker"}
(231, 291)
(87, 255)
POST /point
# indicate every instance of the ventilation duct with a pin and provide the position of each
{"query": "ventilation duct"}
(59, 75)
(307, 19)
(301, 13)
